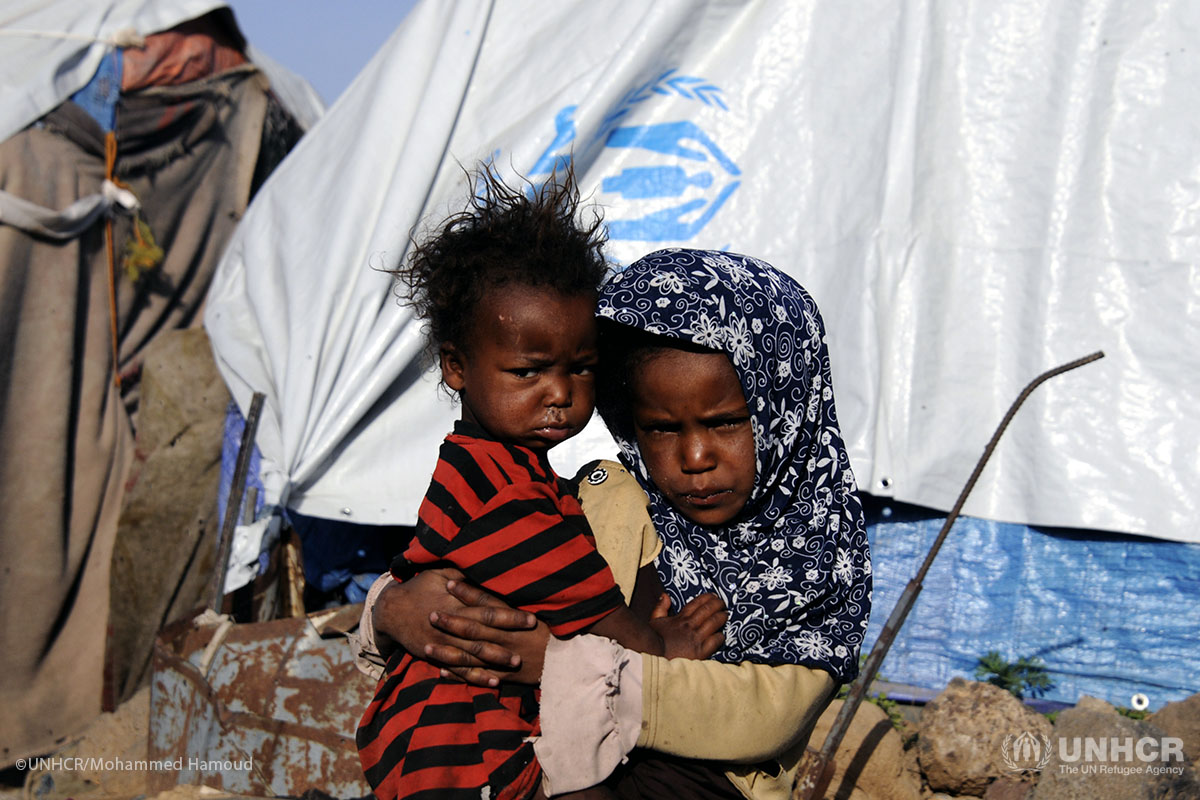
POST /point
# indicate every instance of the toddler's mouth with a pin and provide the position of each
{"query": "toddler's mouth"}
(554, 433)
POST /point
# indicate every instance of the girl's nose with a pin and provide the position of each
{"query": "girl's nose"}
(697, 454)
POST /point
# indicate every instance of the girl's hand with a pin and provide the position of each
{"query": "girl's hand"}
(696, 631)
(423, 614)
(482, 630)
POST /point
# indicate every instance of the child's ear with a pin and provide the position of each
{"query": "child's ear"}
(452, 367)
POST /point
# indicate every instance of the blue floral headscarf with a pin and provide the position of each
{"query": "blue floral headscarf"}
(793, 568)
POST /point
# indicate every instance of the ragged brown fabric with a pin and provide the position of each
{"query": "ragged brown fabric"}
(166, 545)
(66, 433)
(191, 51)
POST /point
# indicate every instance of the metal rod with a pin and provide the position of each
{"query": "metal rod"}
(234, 503)
(817, 768)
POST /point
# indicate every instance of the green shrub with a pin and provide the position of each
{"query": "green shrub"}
(1018, 677)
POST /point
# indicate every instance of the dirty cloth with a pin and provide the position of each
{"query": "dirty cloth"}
(66, 432)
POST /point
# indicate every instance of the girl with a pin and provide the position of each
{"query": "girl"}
(780, 537)
(789, 555)
(509, 289)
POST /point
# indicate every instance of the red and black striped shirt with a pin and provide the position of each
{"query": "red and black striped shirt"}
(498, 513)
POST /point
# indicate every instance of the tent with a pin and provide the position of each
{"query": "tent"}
(156, 122)
(972, 193)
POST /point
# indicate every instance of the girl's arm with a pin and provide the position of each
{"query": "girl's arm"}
(482, 640)
(454, 625)
(602, 699)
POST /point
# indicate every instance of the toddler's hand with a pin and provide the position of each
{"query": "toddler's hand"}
(695, 632)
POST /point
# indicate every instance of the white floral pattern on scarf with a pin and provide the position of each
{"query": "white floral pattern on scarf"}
(794, 566)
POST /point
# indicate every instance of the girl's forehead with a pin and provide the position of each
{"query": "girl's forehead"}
(660, 360)
(666, 374)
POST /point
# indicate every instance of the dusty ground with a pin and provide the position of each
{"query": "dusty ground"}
(120, 736)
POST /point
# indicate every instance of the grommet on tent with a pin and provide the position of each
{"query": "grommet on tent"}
(1139, 702)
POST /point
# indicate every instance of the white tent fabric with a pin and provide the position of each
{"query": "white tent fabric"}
(973, 193)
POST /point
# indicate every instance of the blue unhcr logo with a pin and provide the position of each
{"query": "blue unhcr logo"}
(685, 177)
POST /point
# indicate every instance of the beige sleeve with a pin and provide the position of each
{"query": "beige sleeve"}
(616, 510)
(759, 710)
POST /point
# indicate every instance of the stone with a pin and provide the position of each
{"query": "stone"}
(1083, 766)
(1008, 789)
(968, 736)
(871, 763)
(1181, 719)
(1089, 703)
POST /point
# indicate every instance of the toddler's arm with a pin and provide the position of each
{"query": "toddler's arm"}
(695, 632)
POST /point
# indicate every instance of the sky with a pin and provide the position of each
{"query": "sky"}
(326, 41)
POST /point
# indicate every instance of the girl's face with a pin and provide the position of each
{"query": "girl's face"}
(693, 428)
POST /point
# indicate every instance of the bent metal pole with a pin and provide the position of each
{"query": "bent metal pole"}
(233, 504)
(816, 768)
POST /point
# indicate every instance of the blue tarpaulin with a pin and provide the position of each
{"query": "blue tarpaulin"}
(1109, 614)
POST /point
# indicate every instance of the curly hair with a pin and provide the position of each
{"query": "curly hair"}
(504, 236)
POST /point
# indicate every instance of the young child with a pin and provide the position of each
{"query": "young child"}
(509, 290)
(717, 387)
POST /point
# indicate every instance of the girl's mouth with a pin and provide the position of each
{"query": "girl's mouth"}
(707, 498)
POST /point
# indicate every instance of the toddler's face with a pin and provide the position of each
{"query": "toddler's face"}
(693, 428)
(526, 375)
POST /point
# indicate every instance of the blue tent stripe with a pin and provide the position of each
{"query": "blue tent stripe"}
(1109, 614)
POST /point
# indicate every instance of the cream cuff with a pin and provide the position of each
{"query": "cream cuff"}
(591, 711)
(367, 657)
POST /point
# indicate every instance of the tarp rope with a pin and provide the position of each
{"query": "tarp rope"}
(110, 160)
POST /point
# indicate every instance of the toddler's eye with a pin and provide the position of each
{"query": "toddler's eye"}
(523, 372)
(584, 369)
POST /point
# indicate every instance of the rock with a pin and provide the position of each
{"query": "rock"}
(1008, 789)
(871, 762)
(1089, 703)
(1182, 720)
(1083, 766)
(189, 792)
(964, 730)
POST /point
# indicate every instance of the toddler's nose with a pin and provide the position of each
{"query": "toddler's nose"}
(558, 391)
